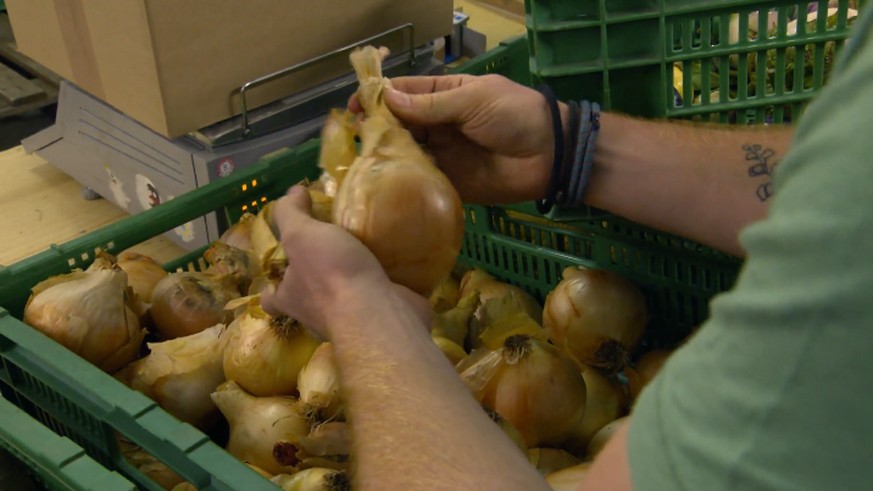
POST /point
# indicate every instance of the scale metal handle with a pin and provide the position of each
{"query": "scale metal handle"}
(243, 90)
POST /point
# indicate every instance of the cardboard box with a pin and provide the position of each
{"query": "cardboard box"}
(176, 66)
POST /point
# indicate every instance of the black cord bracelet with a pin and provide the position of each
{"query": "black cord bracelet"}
(545, 205)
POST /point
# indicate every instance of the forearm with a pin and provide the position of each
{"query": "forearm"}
(704, 183)
(414, 424)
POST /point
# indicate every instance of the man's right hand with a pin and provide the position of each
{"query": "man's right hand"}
(492, 137)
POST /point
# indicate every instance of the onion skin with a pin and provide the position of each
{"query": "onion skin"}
(490, 288)
(596, 316)
(143, 273)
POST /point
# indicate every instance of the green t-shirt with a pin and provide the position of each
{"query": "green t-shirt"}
(776, 390)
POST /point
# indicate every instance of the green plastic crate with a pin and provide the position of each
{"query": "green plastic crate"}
(78, 401)
(622, 53)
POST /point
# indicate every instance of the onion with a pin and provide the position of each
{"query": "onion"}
(604, 404)
(338, 152)
(259, 424)
(531, 384)
(512, 298)
(239, 235)
(268, 253)
(595, 316)
(645, 370)
(143, 274)
(314, 479)
(394, 199)
(91, 313)
(146, 463)
(189, 302)
(549, 460)
(453, 324)
(569, 479)
(236, 264)
(265, 354)
(180, 374)
(603, 436)
(446, 294)
(497, 301)
(318, 383)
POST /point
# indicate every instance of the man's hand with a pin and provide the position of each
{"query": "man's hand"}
(492, 137)
(327, 266)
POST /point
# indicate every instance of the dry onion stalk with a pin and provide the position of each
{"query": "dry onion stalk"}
(92, 313)
(527, 381)
(596, 316)
(393, 197)
(264, 354)
(180, 374)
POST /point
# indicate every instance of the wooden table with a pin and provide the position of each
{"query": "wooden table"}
(41, 205)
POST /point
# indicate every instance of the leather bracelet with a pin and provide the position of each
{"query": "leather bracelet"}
(545, 205)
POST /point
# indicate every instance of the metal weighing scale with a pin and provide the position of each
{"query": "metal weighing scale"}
(136, 168)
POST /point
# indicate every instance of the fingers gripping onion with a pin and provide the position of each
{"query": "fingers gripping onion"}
(595, 316)
(393, 198)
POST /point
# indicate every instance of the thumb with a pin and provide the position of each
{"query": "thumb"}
(431, 108)
(295, 206)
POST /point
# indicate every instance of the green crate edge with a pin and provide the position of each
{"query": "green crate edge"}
(59, 463)
(129, 407)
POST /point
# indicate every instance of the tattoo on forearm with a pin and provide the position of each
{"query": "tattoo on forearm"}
(764, 163)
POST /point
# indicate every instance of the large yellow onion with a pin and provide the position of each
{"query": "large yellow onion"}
(264, 354)
(596, 316)
(91, 313)
(394, 198)
(529, 383)
(180, 375)
(189, 302)
(239, 234)
(258, 425)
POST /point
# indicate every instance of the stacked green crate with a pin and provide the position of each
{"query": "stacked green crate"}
(731, 61)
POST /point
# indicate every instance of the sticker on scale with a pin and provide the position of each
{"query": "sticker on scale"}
(146, 192)
(225, 167)
(117, 188)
